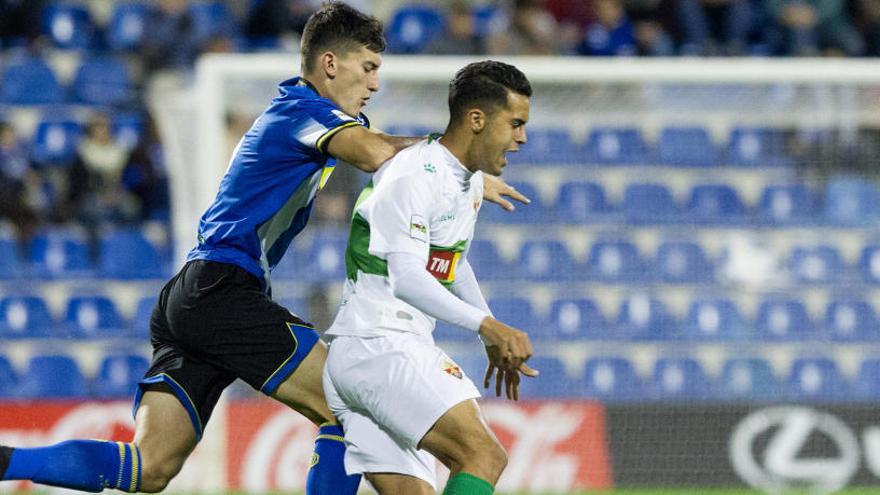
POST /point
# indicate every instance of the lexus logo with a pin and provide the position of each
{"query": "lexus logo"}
(766, 450)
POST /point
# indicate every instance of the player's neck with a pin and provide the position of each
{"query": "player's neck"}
(459, 145)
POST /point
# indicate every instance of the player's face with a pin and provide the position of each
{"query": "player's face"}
(505, 132)
(357, 79)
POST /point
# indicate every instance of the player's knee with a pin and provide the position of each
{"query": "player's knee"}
(496, 459)
(485, 458)
(156, 475)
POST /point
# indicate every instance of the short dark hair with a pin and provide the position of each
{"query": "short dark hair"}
(484, 85)
(339, 28)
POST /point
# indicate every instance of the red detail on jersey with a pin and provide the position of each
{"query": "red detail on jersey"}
(441, 264)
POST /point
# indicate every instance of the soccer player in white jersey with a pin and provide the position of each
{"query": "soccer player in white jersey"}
(402, 401)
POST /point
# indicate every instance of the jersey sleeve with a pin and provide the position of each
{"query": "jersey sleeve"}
(318, 121)
(400, 217)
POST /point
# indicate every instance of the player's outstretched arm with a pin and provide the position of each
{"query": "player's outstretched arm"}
(365, 149)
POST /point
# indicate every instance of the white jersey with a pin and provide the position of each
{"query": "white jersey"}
(423, 201)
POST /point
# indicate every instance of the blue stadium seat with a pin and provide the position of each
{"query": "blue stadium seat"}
(127, 27)
(118, 375)
(68, 25)
(867, 382)
(682, 262)
(869, 263)
(553, 382)
(54, 142)
(127, 254)
(680, 379)
(713, 320)
(517, 312)
(616, 146)
(612, 379)
(546, 147)
(582, 202)
(10, 383)
(325, 258)
(413, 27)
(446, 332)
(296, 305)
(534, 212)
(816, 264)
(615, 261)
(686, 147)
(757, 147)
(816, 379)
(851, 201)
(25, 317)
(53, 377)
(642, 317)
(93, 317)
(485, 16)
(60, 253)
(140, 322)
(210, 19)
(127, 128)
(29, 81)
(104, 81)
(576, 319)
(545, 261)
(783, 320)
(747, 379)
(851, 320)
(788, 204)
(484, 258)
(649, 203)
(10, 261)
(715, 203)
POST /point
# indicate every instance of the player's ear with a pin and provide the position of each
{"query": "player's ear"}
(476, 120)
(329, 64)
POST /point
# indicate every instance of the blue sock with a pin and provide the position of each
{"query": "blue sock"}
(327, 474)
(86, 465)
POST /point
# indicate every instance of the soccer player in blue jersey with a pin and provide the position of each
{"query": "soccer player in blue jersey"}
(215, 320)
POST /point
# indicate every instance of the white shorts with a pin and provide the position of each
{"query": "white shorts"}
(388, 392)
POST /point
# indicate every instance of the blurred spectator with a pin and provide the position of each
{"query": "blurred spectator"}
(14, 176)
(532, 30)
(714, 27)
(144, 175)
(19, 21)
(651, 20)
(610, 34)
(806, 27)
(867, 17)
(170, 42)
(461, 37)
(272, 19)
(96, 192)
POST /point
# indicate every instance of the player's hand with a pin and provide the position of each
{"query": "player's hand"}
(513, 345)
(495, 189)
(509, 379)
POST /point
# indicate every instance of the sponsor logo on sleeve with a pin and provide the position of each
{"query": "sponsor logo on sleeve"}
(418, 228)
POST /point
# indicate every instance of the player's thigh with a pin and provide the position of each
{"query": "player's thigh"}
(462, 436)
(394, 484)
(163, 433)
(303, 389)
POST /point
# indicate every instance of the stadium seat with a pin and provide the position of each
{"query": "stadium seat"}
(714, 204)
(787, 204)
(55, 141)
(296, 305)
(487, 262)
(127, 254)
(582, 202)
(682, 262)
(105, 82)
(53, 377)
(649, 204)
(447, 332)
(680, 379)
(118, 375)
(642, 317)
(10, 383)
(867, 383)
(140, 323)
(615, 261)
(576, 319)
(756, 147)
(869, 263)
(747, 379)
(485, 16)
(534, 212)
(10, 261)
(850, 201)
(324, 258)
(546, 147)
(851, 320)
(713, 320)
(210, 19)
(60, 253)
(518, 312)
(612, 379)
(816, 264)
(93, 317)
(783, 320)
(553, 383)
(68, 25)
(546, 261)
(816, 379)
(127, 129)
(29, 81)
(616, 146)
(412, 28)
(686, 147)
(127, 26)
(25, 317)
